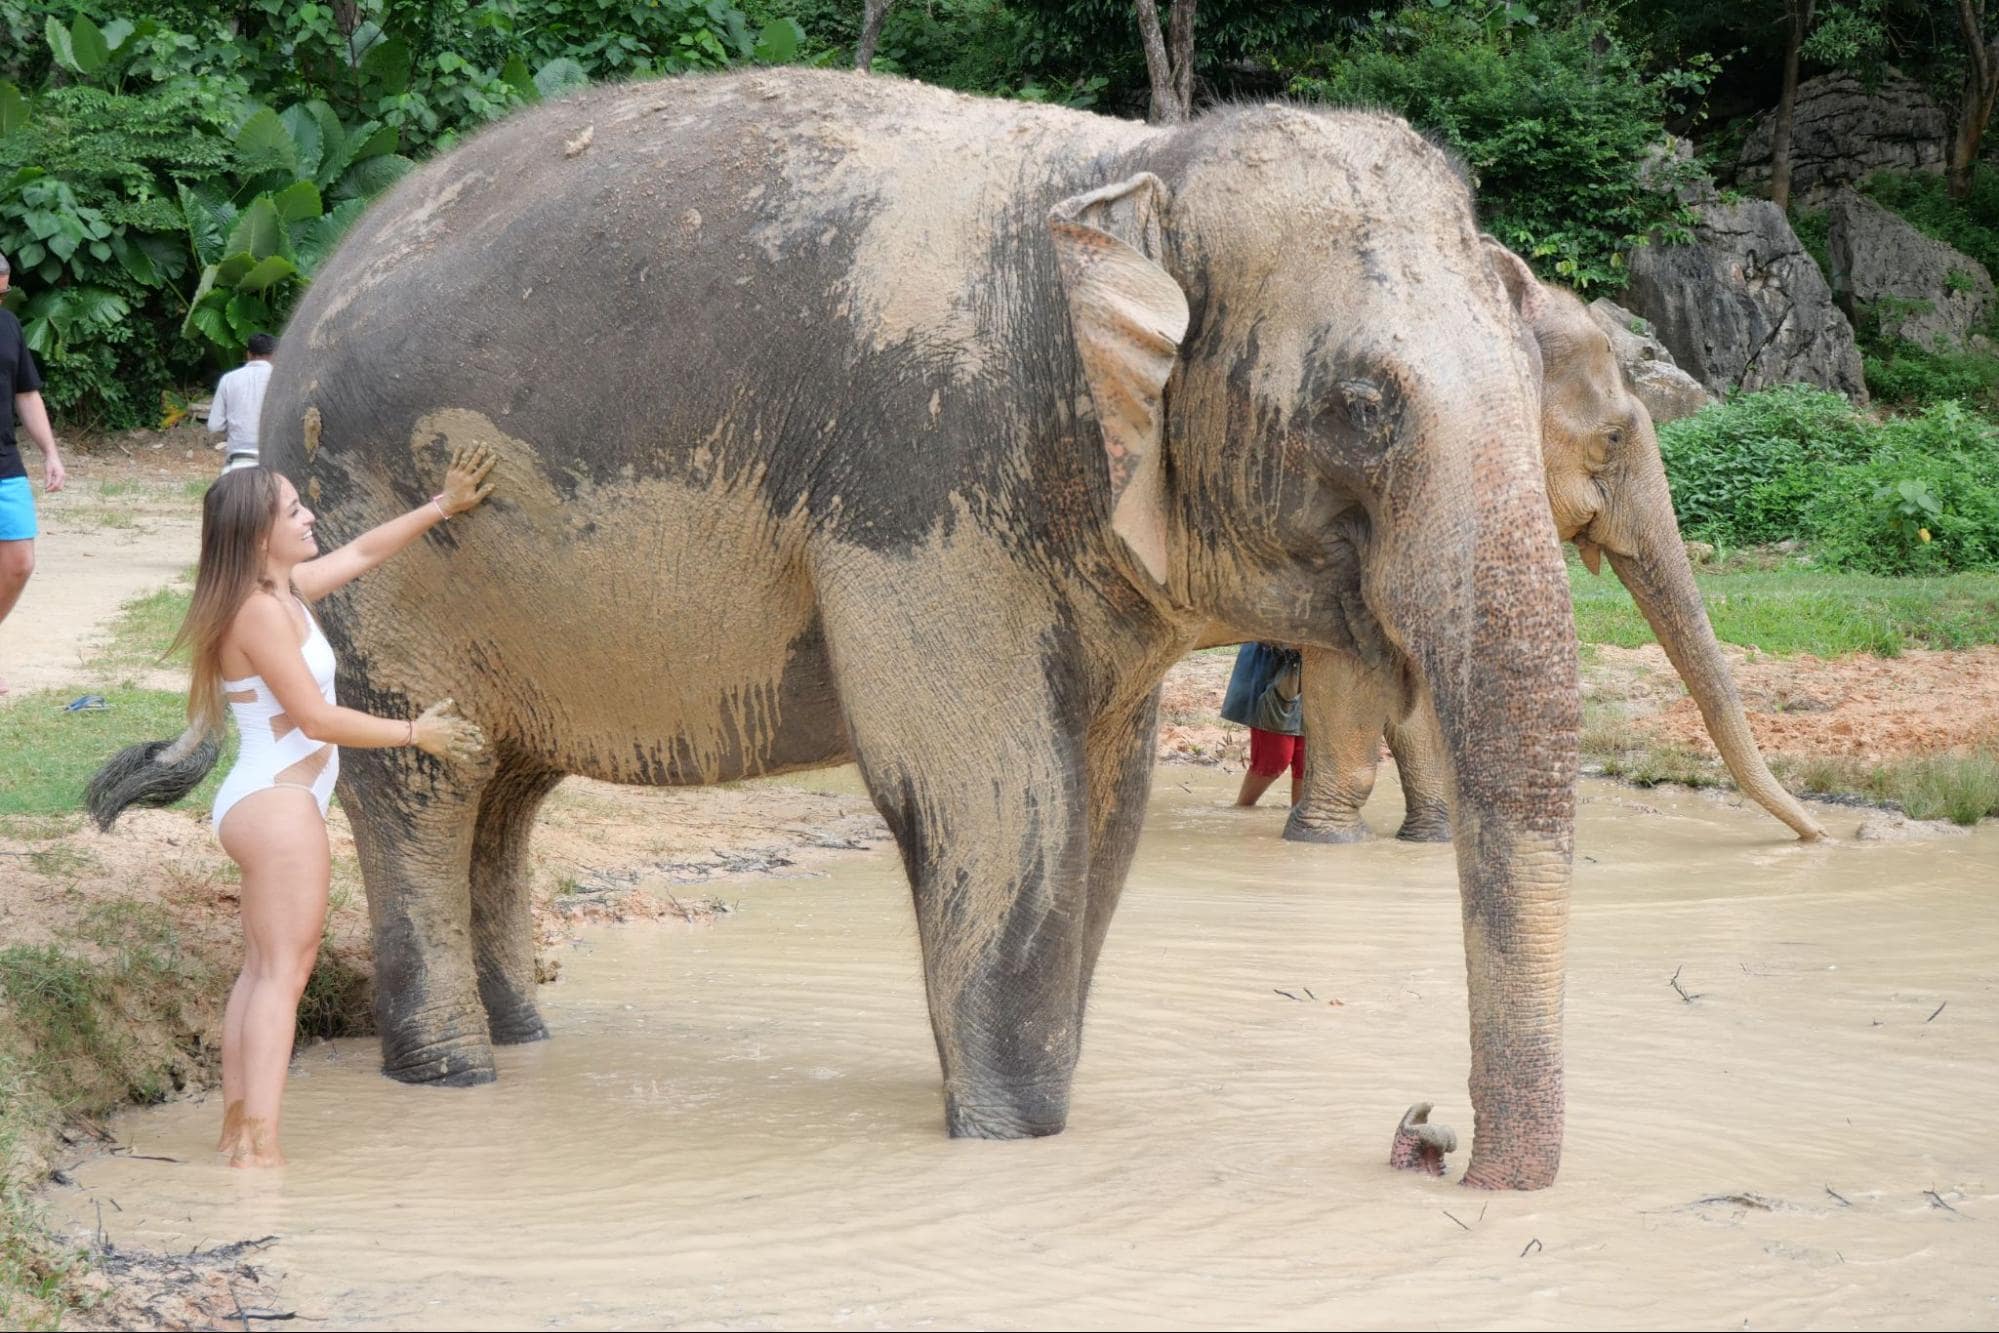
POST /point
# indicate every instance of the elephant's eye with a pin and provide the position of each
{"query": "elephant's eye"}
(1615, 437)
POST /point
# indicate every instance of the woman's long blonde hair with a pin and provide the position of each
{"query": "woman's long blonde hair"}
(237, 515)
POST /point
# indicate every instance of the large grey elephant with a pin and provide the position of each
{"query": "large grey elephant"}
(1608, 488)
(844, 418)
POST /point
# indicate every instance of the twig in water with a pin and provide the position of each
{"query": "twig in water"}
(239, 1306)
(1844, 1202)
(1674, 981)
(1939, 1009)
(131, 1156)
(1447, 1213)
(1532, 1245)
(1937, 1200)
(1481, 1211)
(1286, 994)
(1308, 992)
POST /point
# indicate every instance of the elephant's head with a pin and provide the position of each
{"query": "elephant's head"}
(1607, 487)
(1322, 429)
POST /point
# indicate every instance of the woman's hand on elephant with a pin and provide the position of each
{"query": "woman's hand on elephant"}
(443, 733)
(465, 484)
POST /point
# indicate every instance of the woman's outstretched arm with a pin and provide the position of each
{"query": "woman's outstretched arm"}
(465, 486)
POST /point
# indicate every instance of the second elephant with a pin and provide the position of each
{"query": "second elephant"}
(1607, 486)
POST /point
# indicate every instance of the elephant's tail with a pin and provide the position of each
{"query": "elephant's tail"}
(152, 773)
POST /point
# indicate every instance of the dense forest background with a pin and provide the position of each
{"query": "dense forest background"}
(172, 172)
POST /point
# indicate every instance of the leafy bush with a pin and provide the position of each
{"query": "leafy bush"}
(1912, 495)
(1908, 375)
(1557, 122)
(169, 180)
(1743, 472)
(1925, 500)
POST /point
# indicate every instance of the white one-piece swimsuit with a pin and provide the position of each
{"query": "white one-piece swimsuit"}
(273, 751)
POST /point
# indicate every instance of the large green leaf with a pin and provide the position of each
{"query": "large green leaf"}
(307, 146)
(208, 222)
(558, 76)
(378, 141)
(516, 74)
(260, 231)
(212, 323)
(336, 146)
(268, 272)
(60, 45)
(90, 308)
(298, 201)
(313, 241)
(117, 31)
(248, 314)
(366, 179)
(264, 144)
(386, 67)
(13, 109)
(232, 270)
(135, 261)
(779, 42)
(88, 46)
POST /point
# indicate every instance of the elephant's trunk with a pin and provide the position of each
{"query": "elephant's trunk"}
(1662, 583)
(1478, 596)
(1664, 589)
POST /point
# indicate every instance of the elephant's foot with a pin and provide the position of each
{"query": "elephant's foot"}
(518, 1028)
(449, 1055)
(1006, 1113)
(1302, 828)
(1420, 1145)
(512, 1017)
(1425, 824)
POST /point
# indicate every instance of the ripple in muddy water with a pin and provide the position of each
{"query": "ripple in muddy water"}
(740, 1125)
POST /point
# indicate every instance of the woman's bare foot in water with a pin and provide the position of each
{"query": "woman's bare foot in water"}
(232, 1127)
(257, 1145)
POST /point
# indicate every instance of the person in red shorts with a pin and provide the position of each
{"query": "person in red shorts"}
(1263, 696)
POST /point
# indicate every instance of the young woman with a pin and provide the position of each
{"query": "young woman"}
(257, 648)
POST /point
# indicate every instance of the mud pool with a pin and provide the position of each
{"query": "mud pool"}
(740, 1125)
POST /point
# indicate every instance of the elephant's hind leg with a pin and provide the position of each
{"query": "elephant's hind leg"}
(413, 821)
(502, 905)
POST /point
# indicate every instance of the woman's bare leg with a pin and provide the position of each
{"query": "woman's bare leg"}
(279, 840)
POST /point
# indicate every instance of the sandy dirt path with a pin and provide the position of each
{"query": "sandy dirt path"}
(123, 527)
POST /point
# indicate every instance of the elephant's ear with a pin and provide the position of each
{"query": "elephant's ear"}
(1522, 287)
(1529, 297)
(1129, 317)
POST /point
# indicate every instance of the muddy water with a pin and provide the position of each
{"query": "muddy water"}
(739, 1125)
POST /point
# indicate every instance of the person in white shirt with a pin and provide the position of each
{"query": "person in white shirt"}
(239, 401)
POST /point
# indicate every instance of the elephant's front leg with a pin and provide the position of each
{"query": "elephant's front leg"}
(1424, 768)
(502, 899)
(960, 734)
(413, 824)
(1346, 706)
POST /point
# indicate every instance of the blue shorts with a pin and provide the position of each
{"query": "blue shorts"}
(17, 510)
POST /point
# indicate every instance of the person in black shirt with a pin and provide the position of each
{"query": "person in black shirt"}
(17, 500)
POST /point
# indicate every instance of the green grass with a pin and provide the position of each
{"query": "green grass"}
(145, 626)
(1798, 609)
(52, 754)
(1963, 788)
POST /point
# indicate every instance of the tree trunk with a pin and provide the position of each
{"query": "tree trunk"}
(873, 12)
(1981, 85)
(1800, 12)
(1169, 62)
